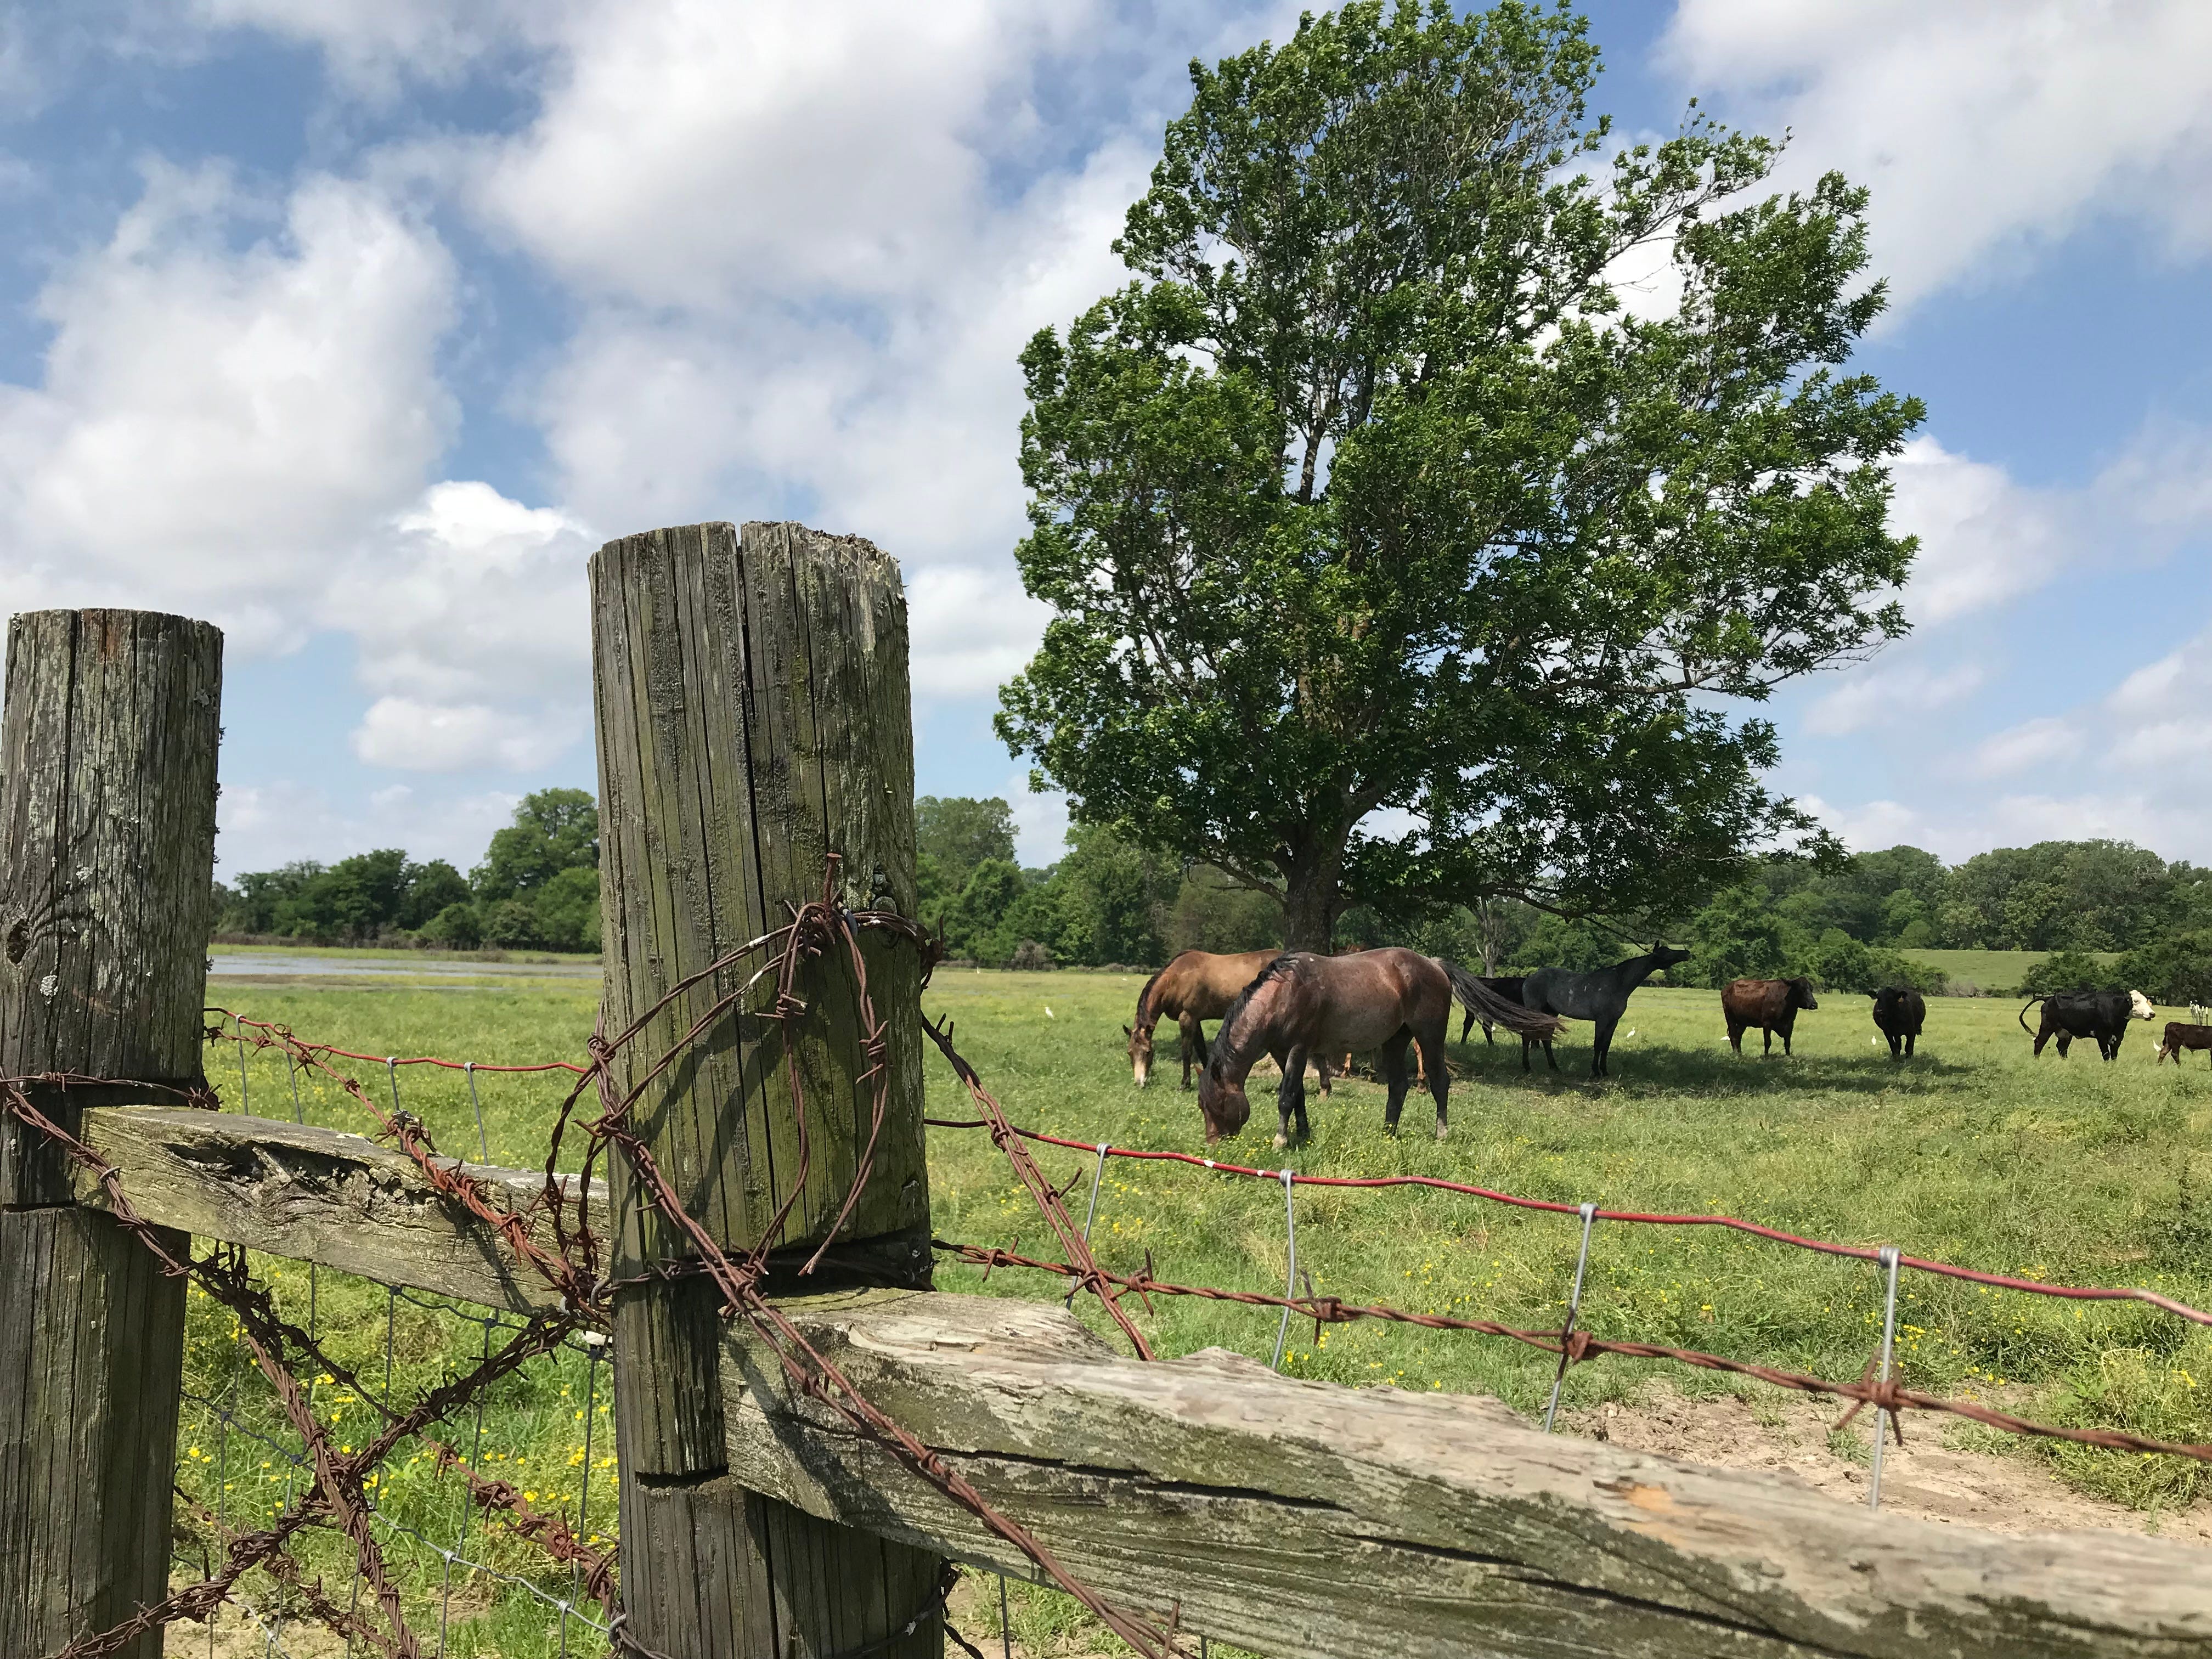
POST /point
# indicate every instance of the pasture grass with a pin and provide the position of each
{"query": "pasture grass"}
(2074, 1171)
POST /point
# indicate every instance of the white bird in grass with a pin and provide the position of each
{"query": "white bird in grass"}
(1047, 1013)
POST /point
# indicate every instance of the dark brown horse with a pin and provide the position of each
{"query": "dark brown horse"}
(1197, 985)
(1303, 1004)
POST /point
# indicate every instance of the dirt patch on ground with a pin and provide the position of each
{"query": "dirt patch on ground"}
(1926, 1477)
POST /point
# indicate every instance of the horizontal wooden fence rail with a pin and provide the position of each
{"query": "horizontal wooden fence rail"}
(1296, 1518)
(318, 1195)
(1306, 1519)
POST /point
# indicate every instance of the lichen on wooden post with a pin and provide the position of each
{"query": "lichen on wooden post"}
(753, 719)
(107, 785)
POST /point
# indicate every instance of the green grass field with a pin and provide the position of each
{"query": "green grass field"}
(1974, 1152)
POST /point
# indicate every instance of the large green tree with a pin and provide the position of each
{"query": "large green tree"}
(1367, 494)
(553, 831)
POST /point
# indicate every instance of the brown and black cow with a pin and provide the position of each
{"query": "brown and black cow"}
(1898, 1014)
(2181, 1034)
(1769, 1004)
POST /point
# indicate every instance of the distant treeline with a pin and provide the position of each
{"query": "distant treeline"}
(1844, 923)
(1106, 902)
(538, 888)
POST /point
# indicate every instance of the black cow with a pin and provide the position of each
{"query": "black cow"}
(2103, 1015)
(1898, 1013)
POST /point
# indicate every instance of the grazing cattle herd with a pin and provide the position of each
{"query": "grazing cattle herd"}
(1299, 1008)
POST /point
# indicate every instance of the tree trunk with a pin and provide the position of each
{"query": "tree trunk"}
(1312, 900)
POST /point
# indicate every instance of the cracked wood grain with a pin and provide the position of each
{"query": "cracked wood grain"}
(107, 785)
(321, 1196)
(1300, 1518)
(752, 695)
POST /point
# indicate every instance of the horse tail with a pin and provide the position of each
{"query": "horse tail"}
(1485, 1003)
(2024, 1007)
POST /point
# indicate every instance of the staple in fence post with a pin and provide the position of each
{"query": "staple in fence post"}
(244, 1108)
(1290, 1273)
(483, 1140)
(1888, 1257)
(1006, 1624)
(1574, 1306)
(1089, 1216)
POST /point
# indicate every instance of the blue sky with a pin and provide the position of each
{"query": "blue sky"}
(354, 327)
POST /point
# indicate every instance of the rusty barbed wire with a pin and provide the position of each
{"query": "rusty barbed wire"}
(821, 929)
(1890, 1397)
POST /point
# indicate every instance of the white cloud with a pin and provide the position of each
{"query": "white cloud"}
(1983, 538)
(373, 46)
(972, 629)
(264, 826)
(1872, 826)
(1987, 130)
(216, 423)
(473, 624)
(406, 731)
(2134, 764)
(2023, 747)
(808, 249)
(240, 410)
(1040, 823)
(1879, 696)
(1956, 832)
(1987, 540)
(2157, 722)
(691, 152)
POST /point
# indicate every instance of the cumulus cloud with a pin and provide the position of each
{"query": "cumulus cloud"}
(1039, 821)
(1875, 697)
(1956, 832)
(266, 825)
(808, 250)
(1986, 539)
(2023, 747)
(2155, 723)
(2132, 764)
(216, 423)
(408, 731)
(240, 410)
(972, 629)
(474, 627)
(1987, 130)
(374, 47)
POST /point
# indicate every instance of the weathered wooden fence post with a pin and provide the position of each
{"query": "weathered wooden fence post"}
(107, 784)
(753, 717)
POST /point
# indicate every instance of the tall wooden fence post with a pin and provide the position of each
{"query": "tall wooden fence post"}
(107, 785)
(753, 718)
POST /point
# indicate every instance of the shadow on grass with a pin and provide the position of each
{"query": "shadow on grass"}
(1658, 1068)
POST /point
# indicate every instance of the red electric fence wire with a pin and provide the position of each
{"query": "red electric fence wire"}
(1733, 1224)
(338, 1498)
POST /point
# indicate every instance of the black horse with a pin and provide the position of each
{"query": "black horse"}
(1602, 997)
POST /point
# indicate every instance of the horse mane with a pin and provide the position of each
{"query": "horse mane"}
(1276, 969)
(1145, 996)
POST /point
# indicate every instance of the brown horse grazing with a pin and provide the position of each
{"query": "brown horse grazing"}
(1303, 1004)
(1197, 985)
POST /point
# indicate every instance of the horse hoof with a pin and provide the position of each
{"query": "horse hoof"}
(1280, 1142)
(1441, 1131)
